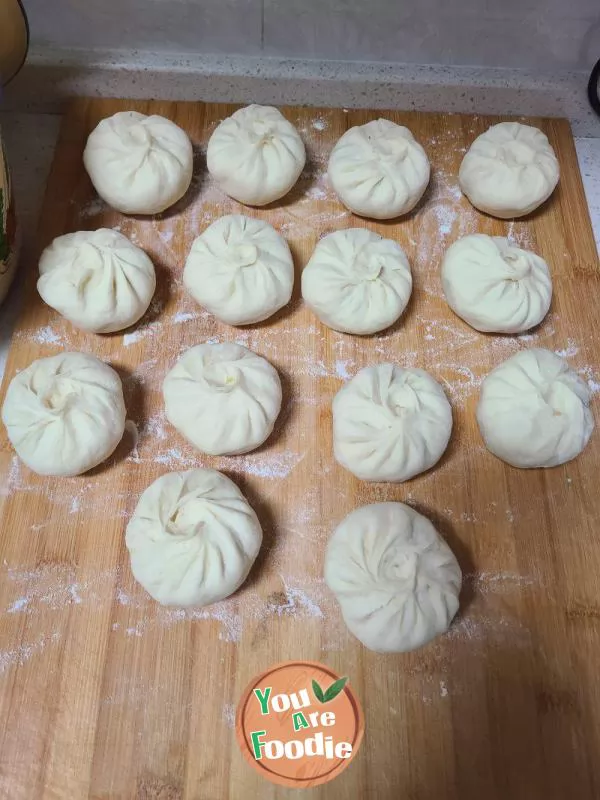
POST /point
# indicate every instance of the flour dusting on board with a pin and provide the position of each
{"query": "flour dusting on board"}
(54, 588)
(132, 431)
(235, 613)
(68, 493)
(591, 377)
(486, 582)
(295, 599)
(228, 715)
(93, 208)
(276, 465)
(285, 591)
(184, 316)
(47, 335)
(477, 629)
(154, 427)
(174, 458)
(17, 656)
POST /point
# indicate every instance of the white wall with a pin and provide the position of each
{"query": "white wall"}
(547, 35)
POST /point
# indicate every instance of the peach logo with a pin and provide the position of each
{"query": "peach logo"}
(299, 724)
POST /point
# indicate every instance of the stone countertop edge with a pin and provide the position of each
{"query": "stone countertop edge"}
(51, 76)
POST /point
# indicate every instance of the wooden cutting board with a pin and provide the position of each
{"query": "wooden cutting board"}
(105, 694)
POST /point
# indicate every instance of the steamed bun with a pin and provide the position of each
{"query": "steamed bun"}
(256, 155)
(396, 580)
(139, 164)
(193, 538)
(98, 280)
(223, 398)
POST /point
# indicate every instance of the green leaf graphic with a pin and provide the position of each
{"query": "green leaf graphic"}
(331, 693)
(318, 691)
(335, 689)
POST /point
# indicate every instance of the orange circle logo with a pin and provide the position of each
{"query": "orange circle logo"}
(299, 724)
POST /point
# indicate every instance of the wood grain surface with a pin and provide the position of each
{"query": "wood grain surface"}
(105, 694)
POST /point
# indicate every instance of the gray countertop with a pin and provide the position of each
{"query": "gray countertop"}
(30, 140)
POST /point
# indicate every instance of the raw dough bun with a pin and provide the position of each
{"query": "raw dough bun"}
(64, 414)
(193, 538)
(98, 280)
(534, 410)
(139, 164)
(223, 398)
(509, 170)
(356, 281)
(494, 285)
(396, 580)
(256, 155)
(379, 170)
(240, 269)
(390, 423)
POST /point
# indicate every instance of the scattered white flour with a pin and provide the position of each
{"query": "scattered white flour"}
(453, 335)
(589, 375)
(62, 494)
(131, 429)
(486, 582)
(270, 465)
(47, 335)
(18, 656)
(143, 332)
(462, 387)
(476, 629)
(316, 193)
(18, 605)
(95, 207)
(446, 218)
(149, 373)
(165, 236)
(174, 458)
(519, 233)
(295, 600)
(122, 598)
(228, 715)
(320, 124)
(317, 369)
(156, 306)
(569, 351)
(74, 592)
(184, 316)
(154, 427)
(39, 526)
(13, 479)
(341, 368)
(443, 689)
(132, 338)
(54, 588)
